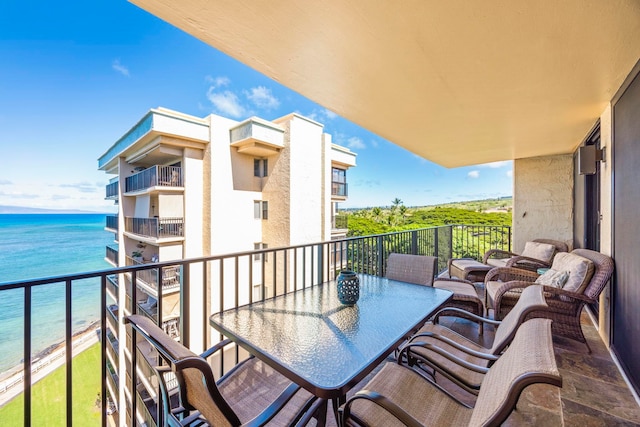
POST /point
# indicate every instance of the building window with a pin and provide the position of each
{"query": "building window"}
(260, 209)
(338, 182)
(258, 257)
(260, 167)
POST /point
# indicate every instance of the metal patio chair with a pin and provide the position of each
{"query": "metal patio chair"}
(458, 358)
(398, 396)
(419, 269)
(251, 394)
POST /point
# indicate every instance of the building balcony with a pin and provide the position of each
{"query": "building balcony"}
(339, 189)
(168, 177)
(155, 228)
(148, 279)
(112, 255)
(340, 222)
(257, 137)
(111, 223)
(112, 191)
(226, 278)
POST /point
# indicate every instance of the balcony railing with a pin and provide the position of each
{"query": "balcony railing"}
(112, 222)
(340, 222)
(112, 190)
(228, 281)
(339, 189)
(155, 227)
(151, 277)
(112, 255)
(165, 176)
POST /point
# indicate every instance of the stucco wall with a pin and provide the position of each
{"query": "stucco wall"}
(543, 199)
(232, 226)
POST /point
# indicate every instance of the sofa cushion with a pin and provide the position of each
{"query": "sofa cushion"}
(580, 270)
(554, 278)
(541, 251)
(498, 262)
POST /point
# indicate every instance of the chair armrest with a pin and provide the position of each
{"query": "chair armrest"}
(383, 402)
(208, 352)
(452, 343)
(444, 353)
(508, 274)
(272, 410)
(492, 252)
(572, 295)
(467, 314)
(533, 263)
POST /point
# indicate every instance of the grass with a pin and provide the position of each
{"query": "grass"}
(48, 396)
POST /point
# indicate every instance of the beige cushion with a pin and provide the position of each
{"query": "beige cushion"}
(580, 270)
(498, 262)
(554, 278)
(541, 251)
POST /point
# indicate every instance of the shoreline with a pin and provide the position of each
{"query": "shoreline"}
(45, 362)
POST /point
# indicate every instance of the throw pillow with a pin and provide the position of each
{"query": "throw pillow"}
(541, 251)
(554, 278)
(580, 270)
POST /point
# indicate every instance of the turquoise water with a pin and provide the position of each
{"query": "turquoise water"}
(44, 245)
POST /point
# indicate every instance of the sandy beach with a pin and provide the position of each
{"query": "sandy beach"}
(44, 363)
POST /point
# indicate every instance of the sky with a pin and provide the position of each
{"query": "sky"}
(76, 75)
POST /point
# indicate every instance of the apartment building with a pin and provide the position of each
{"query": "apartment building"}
(189, 187)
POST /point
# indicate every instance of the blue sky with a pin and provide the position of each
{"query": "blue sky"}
(75, 76)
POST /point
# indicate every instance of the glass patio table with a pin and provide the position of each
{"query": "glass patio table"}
(323, 345)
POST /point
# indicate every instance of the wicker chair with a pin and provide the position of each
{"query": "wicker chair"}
(250, 394)
(501, 258)
(419, 269)
(398, 396)
(456, 357)
(504, 285)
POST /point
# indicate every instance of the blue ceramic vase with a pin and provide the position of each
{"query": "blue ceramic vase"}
(348, 287)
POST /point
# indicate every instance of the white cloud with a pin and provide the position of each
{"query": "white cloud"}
(217, 81)
(226, 102)
(5, 182)
(83, 187)
(474, 174)
(262, 98)
(356, 143)
(495, 165)
(374, 143)
(117, 66)
(510, 173)
(330, 114)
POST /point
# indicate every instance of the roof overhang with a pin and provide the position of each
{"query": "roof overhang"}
(457, 82)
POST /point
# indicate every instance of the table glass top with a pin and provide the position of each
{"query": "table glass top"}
(322, 343)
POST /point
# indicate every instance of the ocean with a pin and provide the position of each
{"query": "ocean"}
(43, 245)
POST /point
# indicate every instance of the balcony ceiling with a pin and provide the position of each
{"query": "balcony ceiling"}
(458, 82)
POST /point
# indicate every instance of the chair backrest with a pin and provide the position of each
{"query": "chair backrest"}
(198, 389)
(419, 269)
(531, 299)
(603, 269)
(529, 359)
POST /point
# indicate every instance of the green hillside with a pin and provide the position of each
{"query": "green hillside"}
(397, 217)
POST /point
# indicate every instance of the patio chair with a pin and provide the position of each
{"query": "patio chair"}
(537, 254)
(589, 271)
(460, 359)
(398, 396)
(252, 393)
(419, 269)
